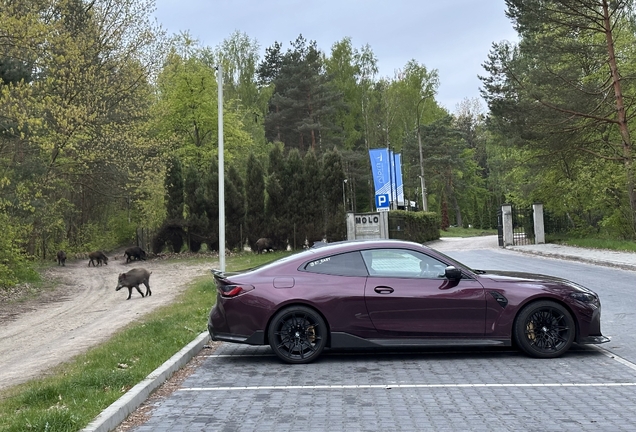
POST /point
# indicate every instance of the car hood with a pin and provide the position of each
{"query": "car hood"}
(531, 278)
(513, 276)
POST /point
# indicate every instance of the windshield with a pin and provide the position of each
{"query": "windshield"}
(456, 263)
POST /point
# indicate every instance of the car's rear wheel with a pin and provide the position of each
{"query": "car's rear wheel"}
(297, 334)
(544, 329)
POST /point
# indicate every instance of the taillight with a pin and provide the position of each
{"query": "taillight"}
(229, 291)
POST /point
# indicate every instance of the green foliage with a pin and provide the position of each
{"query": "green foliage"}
(559, 96)
(174, 186)
(302, 106)
(419, 227)
(332, 180)
(234, 209)
(14, 265)
(255, 199)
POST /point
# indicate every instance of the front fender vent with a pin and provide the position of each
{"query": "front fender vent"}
(503, 302)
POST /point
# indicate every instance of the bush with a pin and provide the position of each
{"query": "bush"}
(419, 227)
(15, 266)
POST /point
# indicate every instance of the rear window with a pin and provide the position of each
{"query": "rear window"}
(346, 264)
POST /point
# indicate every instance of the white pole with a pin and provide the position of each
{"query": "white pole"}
(221, 175)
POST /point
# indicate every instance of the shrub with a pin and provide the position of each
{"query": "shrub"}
(419, 227)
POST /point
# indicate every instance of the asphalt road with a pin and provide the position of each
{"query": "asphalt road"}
(243, 388)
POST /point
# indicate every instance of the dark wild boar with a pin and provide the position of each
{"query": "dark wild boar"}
(264, 244)
(61, 258)
(132, 279)
(96, 258)
(134, 252)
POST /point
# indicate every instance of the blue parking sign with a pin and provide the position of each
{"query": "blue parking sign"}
(382, 202)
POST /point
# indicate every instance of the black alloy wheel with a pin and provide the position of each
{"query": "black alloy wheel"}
(297, 334)
(544, 329)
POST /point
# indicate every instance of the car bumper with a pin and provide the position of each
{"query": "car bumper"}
(256, 338)
(594, 340)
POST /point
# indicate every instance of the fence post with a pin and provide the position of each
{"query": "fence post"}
(539, 230)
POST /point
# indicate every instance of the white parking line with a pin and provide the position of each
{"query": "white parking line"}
(611, 355)
(401, 386)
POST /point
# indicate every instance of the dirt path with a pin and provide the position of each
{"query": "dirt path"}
(83, 312)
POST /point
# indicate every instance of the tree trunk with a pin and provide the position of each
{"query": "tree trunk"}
(620, 115)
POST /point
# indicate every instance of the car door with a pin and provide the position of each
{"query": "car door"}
(407, 294)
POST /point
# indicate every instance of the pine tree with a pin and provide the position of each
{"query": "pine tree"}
(174, 191)
(197, 219)
(255, 199)
(332, 180)
(294, 191)
(276, 200)
(234, 209)
(313, 227)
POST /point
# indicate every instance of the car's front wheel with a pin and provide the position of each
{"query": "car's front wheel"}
(297, 334)
(544, 329)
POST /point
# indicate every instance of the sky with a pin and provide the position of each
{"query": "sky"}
(452, 36)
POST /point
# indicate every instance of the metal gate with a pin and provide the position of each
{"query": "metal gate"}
(500, 236)
(522, 226)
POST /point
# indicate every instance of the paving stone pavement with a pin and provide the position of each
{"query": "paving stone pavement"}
(243, 388)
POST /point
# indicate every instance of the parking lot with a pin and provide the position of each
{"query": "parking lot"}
(243, 388)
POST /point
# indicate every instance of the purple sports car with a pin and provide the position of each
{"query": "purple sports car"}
(391, 293)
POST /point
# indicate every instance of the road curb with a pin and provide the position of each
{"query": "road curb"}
(117, 412)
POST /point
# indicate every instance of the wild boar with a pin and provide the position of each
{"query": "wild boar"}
(132, 279)
(264, 244)
(97, 257)
(134, 252)
(61, 258)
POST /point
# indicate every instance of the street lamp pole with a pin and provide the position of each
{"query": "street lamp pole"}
(221, 173)
(419, 141)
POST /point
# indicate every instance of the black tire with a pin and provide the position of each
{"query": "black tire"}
(544, 329)
(297, 334)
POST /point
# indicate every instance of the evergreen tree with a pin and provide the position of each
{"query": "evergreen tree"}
(211, 198)
(174, 191)
(313, 228)
(255, 199)
(276, 201)
(332, 180)
(294, 188)
(302, 107)
(234, 209)
(195, 200)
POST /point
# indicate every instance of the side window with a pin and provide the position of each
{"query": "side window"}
(402, 263)
(346, 264)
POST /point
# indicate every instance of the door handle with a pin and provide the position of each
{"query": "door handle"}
(383, 290)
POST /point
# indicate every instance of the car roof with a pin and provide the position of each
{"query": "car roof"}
(348, 245)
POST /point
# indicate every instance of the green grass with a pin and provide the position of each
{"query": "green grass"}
(77, 391)
(594, 243)
(466, 232)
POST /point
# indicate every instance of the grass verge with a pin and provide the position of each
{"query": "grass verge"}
(594, 243)
(77, 391)
(466, 232)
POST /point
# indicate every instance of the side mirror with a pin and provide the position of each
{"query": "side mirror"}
(452, 273)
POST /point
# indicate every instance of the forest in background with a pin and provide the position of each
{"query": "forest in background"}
(108, 124)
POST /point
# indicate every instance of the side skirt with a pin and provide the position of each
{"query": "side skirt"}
(346, 340)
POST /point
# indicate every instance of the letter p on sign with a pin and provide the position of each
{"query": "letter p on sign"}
(382, 201)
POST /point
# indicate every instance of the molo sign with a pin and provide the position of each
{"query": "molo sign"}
(367, 226)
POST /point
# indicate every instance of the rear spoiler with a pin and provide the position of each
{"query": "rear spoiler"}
(220, 275)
